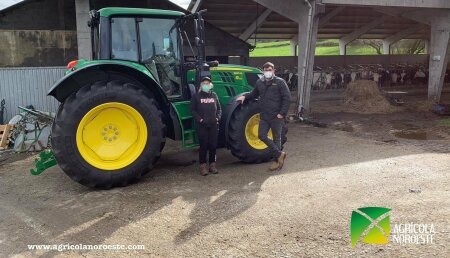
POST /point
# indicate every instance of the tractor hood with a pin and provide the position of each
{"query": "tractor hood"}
(224, 70)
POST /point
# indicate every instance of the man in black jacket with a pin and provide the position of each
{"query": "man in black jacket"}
(206, 110)
(274, 100)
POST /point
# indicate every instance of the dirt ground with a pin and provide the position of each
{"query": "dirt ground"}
(245, 211)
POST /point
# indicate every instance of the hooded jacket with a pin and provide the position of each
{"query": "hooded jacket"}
(206, 106)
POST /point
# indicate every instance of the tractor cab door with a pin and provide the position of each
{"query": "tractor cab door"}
(161, 53)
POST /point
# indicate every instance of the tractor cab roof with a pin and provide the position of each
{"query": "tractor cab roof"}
(121, 11)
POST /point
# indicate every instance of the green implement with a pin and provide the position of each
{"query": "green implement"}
(45, 161)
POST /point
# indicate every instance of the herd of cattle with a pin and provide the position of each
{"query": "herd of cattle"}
(338, 77)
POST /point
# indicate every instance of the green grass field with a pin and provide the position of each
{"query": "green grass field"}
(324, 48)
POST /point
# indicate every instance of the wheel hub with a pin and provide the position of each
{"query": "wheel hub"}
(110, 133)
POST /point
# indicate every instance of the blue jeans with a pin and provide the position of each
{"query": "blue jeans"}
(276, 125)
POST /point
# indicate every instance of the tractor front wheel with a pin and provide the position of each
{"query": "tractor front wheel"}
(108, 134)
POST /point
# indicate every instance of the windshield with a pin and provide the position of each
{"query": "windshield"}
(160, 51)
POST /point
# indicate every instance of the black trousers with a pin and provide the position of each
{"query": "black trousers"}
(276, 125)
(207, 135)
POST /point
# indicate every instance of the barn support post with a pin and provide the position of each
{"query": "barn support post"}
(82, 8)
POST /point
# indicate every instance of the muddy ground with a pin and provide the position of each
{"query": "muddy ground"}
(247, 211)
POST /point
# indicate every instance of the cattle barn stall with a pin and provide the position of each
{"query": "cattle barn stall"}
(304, 21)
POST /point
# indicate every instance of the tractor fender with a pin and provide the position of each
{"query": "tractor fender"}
(75, 80)
(88, 74)
(228, 114)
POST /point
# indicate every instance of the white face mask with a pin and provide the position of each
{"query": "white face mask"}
(268, 74)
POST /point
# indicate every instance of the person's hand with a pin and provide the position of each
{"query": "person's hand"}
(280, 116)
(241, 99)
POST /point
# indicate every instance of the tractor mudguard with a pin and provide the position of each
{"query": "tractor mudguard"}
(105, 70)
(227, 114)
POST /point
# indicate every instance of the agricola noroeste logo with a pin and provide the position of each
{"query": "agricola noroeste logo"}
(370, 225)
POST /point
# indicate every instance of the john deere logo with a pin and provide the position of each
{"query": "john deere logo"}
(370, 225)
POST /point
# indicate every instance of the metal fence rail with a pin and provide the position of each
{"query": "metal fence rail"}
(28, 86)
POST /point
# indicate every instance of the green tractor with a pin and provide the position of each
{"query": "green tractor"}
(118, 109)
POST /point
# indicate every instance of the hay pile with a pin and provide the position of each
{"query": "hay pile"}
(364, 97)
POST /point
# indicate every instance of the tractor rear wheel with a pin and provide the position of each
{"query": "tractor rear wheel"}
(108, 134)
(243, 139)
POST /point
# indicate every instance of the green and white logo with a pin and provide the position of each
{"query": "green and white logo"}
(370, 225)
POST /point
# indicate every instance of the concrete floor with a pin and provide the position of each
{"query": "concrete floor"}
(245, 211)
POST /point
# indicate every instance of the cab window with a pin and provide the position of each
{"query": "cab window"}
(123, 39)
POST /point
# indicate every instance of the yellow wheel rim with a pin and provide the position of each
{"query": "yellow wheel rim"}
(251, 133)
(111, 136)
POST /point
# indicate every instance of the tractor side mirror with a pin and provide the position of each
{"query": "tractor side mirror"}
(197, 41)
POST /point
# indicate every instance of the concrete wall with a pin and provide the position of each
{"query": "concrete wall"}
(38, 33)
(325, 61)
(37, 47)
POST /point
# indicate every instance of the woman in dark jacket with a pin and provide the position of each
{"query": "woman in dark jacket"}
(206, 110)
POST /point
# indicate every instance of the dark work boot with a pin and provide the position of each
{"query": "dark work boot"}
(213, 169)
(204, 169)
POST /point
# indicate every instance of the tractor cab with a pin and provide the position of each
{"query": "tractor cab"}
(145, 36)
(154, 39)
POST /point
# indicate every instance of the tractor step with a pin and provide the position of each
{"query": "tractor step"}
(189, 135)
(190, 138)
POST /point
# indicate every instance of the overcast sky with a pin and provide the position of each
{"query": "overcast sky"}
(7, 3)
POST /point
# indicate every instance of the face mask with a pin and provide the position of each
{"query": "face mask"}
(205, 87)
(268, 74)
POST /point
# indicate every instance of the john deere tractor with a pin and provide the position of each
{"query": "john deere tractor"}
(118, 109)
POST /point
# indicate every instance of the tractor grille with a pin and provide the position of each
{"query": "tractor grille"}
(226, 77)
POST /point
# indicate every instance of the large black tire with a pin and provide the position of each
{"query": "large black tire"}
(237, 142)
(77, 105)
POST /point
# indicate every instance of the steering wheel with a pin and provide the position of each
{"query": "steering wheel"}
(159, 59)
